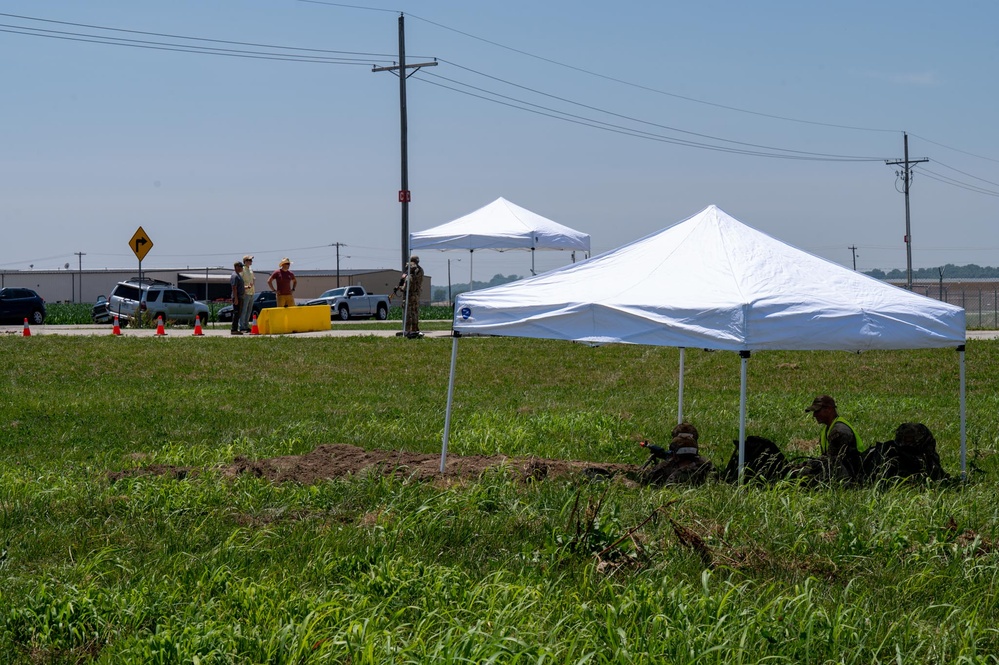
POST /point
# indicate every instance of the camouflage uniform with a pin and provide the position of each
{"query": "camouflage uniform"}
(414, 275)
(685, 466)
(840, 446)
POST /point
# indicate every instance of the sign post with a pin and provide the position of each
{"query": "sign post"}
(140, 245)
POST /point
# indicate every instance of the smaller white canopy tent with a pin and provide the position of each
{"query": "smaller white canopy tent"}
(501, 225)
(712, 282)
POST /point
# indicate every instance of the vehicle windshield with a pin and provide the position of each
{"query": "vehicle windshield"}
(333, 293)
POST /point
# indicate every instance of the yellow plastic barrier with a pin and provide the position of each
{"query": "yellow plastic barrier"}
(282, 320)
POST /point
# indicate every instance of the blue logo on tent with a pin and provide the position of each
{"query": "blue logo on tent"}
(466, 312)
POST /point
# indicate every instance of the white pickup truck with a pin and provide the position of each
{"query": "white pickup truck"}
(347, 302)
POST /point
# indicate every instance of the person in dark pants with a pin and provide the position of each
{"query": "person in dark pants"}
(238, 294)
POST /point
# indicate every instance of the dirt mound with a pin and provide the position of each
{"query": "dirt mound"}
(337, 460)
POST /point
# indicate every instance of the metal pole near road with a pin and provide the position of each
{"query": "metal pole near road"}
(404, 194)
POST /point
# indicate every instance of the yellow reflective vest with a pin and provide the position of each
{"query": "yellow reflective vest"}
(824, 440)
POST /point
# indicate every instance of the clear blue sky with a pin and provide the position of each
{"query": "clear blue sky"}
(218, 156)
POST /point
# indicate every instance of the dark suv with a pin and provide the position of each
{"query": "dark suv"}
(261, 300)
(17, 304)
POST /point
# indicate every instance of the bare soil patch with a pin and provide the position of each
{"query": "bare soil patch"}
(337, 460)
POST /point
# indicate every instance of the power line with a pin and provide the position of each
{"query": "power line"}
(632, 119)
(618, 129)
(963, 152)
(614, 79)
(645, 87)
(181, 48)
(956, 183)
(340, 57)
(198, 39)
(937, 161)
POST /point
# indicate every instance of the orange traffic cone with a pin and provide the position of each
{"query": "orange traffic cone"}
(159, 326)
(27, 330)
(197, 326)
(254, 330)
(117, 329)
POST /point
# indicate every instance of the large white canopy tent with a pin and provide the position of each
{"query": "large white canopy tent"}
(712, 282)
(501, 226)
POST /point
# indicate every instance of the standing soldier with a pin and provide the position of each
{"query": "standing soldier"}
(248, 291)
(414, 284)
(238, 294)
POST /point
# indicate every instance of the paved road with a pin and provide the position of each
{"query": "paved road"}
(341, 330)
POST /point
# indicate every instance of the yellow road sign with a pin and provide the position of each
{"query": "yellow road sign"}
(140, 243)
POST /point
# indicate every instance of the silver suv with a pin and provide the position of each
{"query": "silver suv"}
(155, 298)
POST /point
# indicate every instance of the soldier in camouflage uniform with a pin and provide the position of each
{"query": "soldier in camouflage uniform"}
(839, 444)
(684, 465)
(414, 279)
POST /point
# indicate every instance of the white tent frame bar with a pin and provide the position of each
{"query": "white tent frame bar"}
(744, 362)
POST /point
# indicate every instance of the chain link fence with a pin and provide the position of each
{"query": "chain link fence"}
(980, 299)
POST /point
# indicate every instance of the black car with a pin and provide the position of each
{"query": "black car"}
(261, 300)
(18, 304)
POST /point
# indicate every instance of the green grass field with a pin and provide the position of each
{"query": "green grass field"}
(372, 569)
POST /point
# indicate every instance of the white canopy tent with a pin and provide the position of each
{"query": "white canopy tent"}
(502, 226)
(712, 282)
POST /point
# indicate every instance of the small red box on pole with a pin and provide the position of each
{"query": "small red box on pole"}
(405, 196)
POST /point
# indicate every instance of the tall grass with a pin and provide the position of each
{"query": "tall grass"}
(376, 569)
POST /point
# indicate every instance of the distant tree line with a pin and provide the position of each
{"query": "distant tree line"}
(440, 292)
(950, 271)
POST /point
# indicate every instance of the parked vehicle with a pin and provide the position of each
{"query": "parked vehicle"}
(133, 298)
(100, 312)
(18, 304)
(349, 302)
(261, 300)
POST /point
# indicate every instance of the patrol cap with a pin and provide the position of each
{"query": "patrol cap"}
(821, 402)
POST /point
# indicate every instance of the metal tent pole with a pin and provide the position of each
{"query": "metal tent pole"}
(450, 401)
(964, 440)
(679, 399)
(744, 356)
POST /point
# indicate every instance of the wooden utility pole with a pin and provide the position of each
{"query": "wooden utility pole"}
(80, 255)
(906, 176)
(404, 194)
(853, 248)
(338, 245)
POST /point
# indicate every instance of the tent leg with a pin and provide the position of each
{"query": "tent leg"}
(744, 356)
(964, 440)
(532, 262)
(471, 256)
(679, 398)
(450, 400)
